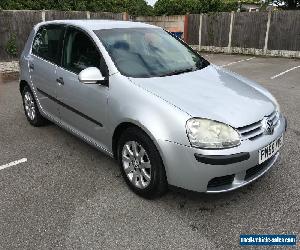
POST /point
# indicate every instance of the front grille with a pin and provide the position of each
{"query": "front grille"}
(221, 181)
(256, 169)
(255, 130)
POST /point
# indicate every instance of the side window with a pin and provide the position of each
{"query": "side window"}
(80, 53)
(47, 43)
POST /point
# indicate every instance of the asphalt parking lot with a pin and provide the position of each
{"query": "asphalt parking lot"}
(68, 195)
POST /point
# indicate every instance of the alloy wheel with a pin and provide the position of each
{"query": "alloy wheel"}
(29, 106)
(136, 164)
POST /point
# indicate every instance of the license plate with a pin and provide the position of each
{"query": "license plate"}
(268, 151)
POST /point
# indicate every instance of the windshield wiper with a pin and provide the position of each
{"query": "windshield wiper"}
(178, 72)
(202, 63)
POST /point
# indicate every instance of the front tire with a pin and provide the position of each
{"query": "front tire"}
(141, 164)
(31, 110)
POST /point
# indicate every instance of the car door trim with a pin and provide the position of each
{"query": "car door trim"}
(70, 108)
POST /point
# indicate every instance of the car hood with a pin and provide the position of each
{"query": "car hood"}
(213, 93)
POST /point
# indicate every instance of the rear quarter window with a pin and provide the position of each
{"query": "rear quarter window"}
(47, 43)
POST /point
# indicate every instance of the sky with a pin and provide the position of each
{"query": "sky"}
(151, 2)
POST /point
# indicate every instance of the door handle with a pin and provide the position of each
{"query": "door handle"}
(31, 66)
(60, 80)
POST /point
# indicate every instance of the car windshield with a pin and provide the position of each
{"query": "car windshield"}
(149, 52)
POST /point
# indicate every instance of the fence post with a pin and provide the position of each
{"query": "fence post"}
(125, 16)
(186, 28)
(200, 31)
(43, 15)
(165, 21)
(267, 32)
(88, 15)
(230, 31)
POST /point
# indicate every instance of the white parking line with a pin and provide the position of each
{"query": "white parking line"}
(248, 59)
(14, 163)
(284, 72)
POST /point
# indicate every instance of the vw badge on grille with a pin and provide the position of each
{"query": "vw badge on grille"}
(268, 126)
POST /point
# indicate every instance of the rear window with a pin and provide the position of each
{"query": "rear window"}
(47, 43)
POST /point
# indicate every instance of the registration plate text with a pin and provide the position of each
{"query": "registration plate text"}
(268, 151)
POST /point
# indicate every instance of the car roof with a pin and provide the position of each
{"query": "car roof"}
(100, 24)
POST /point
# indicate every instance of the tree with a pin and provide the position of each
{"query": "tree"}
(133, 7)
(287, 4)
(180, 7)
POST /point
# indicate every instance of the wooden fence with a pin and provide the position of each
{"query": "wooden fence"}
(261, 33)
(15, 26)
(171, 23)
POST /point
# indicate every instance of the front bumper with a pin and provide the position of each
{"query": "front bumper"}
(218, 170)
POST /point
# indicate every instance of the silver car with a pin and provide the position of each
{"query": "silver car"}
(142, 96)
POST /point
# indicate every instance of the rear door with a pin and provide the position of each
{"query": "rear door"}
(84, 105)
(44, 59)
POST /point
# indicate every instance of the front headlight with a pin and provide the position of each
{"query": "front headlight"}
(204, 133)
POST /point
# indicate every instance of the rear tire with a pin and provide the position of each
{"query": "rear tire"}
(31, 110)
(141, 164)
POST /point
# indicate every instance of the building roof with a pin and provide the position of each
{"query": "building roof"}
(101, 24)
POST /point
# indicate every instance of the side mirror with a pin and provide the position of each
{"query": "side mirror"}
(91, 75)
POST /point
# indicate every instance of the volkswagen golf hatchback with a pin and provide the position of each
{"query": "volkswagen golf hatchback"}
(144, 97)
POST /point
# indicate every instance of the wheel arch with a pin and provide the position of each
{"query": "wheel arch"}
(129, 124)
(22, 85)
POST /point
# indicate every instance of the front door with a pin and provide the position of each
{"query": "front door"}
(43, 61)
(84, 105)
